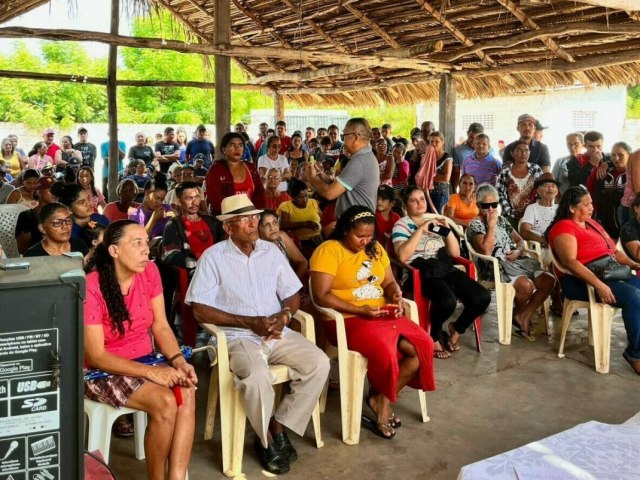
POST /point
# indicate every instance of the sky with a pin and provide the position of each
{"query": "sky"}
(91, 15)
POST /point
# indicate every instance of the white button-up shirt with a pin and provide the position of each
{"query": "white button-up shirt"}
(254, 285)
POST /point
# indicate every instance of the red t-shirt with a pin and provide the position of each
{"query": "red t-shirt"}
(246, 186)
(198, 234)
(51, 151)
(591, 243)
(137, 339)
(285, 143)
(385, 226)
(272, 203)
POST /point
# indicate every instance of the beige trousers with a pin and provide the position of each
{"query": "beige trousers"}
(308, 369)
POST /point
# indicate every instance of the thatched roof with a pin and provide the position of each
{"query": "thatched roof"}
(492, 47)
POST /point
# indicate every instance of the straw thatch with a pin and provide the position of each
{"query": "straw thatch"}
(492, 47)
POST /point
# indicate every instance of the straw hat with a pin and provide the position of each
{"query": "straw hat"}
(237, 205)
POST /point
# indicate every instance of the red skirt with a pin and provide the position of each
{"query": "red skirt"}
(377, 340)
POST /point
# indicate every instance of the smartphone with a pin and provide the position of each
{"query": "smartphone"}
(439, 229)
(390, 308)
(15, 266)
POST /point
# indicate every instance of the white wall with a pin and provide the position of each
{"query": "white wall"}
(604, 110)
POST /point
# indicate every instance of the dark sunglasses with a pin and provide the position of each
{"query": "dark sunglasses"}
(486, 206)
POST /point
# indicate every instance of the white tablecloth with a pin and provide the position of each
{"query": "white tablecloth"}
(589, 451)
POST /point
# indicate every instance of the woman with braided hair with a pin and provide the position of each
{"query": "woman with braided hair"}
(123, 310)
(351, 273)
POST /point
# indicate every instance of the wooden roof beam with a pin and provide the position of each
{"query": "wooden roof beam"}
(565, 29)
(530, 24)
(453, 30)
(389, 61)
(337, 70)
(372, 25)
(635, 16)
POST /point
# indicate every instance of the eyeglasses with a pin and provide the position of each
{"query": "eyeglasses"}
(487, 206)
(343, 135)
(58, 223)
(246, 219)
(273, 177)
(271, 225)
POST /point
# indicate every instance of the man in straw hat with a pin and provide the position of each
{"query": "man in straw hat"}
(246, 286)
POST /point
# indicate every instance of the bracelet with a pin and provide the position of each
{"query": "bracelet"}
(290, 315)
(176, 356)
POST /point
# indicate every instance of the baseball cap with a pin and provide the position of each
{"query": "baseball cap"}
(48, 166)
(475, 127)
(525, 117)
(201, 127)
(539, 126)
(74, 162)
(416, 133)
(198, 157)
(48, 131)
(44, 183)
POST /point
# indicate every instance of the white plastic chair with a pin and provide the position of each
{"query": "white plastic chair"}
(599, 323)
(232, 412)
(534, 250)
(8, 220)
(101, 417)
(505, 293)
(352, 368)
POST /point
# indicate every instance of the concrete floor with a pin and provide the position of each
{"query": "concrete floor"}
(485, 404)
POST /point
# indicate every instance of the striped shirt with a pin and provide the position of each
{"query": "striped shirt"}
(484, 171)
(428, 245)
(238, 284)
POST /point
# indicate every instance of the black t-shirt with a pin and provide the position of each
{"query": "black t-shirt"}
(77, 245)
(89, 153)
(166, 149)
(144, 153)
(28, 223)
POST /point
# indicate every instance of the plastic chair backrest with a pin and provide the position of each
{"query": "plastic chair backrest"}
(8, 220)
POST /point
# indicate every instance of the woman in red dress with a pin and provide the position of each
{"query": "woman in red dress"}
(351, 273)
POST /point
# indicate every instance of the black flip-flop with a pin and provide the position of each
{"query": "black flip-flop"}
(372, 425)
(394, 425)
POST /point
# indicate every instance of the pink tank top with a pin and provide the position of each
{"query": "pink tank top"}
(629, 193)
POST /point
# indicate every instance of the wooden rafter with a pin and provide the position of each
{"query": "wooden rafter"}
(558, 30)
(635, 16)
(12, 11)
(530, 24)
(453, 30)
(337, 45)
(373, 60)
(326, 72)
(372, 25)
(197, 33)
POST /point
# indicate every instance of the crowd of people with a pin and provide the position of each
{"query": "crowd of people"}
(263, 221)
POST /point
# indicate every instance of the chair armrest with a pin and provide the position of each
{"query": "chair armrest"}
(413, 272)
(411, 311)
(341, 334)
(221, 344)
(306, 322)
(494, 262)
(469, 266)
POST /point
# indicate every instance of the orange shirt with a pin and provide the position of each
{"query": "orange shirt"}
(463, 211)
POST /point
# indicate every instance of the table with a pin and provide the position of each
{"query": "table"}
(589, 451)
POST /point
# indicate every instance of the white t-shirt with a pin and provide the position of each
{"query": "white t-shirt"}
(539, 217)
(281, 163)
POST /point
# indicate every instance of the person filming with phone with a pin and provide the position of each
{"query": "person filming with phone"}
(429, 246)
(351, 273)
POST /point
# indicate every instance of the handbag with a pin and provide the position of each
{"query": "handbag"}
(608, 269)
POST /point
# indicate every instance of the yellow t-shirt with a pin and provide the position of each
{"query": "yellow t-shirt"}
(357, 278)
(310, 213)
(463, 211)
(14, 163)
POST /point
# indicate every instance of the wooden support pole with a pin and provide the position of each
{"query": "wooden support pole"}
(112, 104)
(447, 121)
(278, 107)
(222, 37)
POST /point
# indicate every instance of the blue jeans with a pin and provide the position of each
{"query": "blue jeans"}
(627, 298)
(440, 195)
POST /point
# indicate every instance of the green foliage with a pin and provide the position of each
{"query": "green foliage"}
(402, 119)
(40, 104)
(633, 102)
